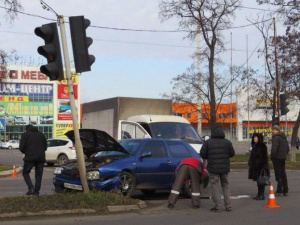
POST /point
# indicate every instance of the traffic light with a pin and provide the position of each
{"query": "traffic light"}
(51, 50)
(80, 43)
(283, 104)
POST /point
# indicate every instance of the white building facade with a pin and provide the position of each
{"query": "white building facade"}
(254, 114)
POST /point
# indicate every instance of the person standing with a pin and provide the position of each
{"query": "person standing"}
(193, 169)
(33, 144)
(280, 149)
(258, 163)
(297, 143)
(217, 150)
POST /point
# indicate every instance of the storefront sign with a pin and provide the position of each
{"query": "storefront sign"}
(61, 128)
(26, 89)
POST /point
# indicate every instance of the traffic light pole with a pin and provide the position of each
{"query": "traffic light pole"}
(78, 144)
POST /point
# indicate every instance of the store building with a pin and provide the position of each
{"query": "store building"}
(255, 115)
(226, 117)
(28, 97)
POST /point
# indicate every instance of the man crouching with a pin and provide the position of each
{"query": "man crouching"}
(193, 169)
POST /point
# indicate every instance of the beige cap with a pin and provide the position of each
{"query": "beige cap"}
(276, 127)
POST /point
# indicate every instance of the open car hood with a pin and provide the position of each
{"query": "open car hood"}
(94, 141)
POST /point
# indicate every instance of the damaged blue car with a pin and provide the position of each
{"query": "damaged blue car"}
(132, 164)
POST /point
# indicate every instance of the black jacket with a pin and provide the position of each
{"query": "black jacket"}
(258, 158)
(33, 144)
(280, 146)
(217, 150)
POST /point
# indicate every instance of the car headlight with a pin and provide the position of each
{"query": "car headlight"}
(93, 175)
(58, 170)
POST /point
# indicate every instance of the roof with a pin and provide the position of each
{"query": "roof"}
(157, 119)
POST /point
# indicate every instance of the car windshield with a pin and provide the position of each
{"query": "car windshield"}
(176, 131)
(131, 145)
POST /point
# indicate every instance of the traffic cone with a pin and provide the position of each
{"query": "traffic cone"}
(272, 201)
(14, 174)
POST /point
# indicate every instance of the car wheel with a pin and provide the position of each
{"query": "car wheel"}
(127, 183)
(50, 164)
(9, 147)
(62, 159)
(148, 192)
(186, 189)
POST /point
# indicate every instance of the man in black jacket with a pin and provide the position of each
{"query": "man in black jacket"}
(33, 144)
(217, 150)
(280, 149)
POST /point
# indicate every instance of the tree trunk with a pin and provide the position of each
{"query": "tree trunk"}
(212, 91)
(294, 137)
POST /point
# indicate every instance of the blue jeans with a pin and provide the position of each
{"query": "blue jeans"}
(39, 167)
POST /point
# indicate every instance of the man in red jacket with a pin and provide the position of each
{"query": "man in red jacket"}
(193, 169)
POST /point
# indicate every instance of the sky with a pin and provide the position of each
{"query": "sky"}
(128, 64)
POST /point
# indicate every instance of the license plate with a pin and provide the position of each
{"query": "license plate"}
(73, 186)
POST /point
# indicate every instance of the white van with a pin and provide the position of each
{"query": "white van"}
(159, 126)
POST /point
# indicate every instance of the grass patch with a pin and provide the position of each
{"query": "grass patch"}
(94, 200)
(5, 167)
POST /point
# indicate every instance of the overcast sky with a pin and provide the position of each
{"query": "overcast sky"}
(129, 64)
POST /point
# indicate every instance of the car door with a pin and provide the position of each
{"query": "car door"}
(155, 171)
(52, 150)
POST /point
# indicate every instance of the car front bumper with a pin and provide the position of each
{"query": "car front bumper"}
(73, 184)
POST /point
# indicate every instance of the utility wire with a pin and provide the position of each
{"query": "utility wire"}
(136, 30)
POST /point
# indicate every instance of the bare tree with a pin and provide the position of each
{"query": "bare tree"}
(12, 7)
(211, 17)
(288, 54)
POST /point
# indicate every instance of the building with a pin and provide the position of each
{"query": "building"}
(255, 115)
(29, 97)
(226, 117)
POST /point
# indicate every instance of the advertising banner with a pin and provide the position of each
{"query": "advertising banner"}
(63, 102)
(26, 103)
(61, 128)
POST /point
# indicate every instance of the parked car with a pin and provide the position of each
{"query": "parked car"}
(60, 151)
(11, 144)
(133, 164)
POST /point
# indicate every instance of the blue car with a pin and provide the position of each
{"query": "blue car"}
(133, 164)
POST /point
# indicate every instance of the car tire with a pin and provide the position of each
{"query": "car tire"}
(62, 159)
(127, 183)
(187, 190)
(9, 147)
(50, 164)
(148, 192)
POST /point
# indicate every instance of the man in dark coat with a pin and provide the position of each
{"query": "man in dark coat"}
(217, 150)
(280, 149)
(193, 169)
(33, 144)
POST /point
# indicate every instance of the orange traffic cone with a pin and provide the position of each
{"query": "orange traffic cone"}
(272, 201)
(14, 174)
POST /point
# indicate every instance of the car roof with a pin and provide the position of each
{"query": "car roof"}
(157, 119)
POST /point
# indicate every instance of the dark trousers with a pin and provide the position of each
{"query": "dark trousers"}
(39, 167)
(280, 175)
(184, 173)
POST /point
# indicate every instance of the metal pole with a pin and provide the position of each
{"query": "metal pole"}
(78, 144)
(277, 72)
(248, 127)
(231, 113)
(199, 103)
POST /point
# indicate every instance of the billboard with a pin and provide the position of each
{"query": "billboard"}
(63, 102)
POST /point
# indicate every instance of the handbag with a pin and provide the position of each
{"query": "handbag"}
(263, 179)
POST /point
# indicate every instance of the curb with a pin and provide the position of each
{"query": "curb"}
(8, 173)
(117, 208)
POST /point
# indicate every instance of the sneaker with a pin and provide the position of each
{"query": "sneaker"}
(228, 209)
(285, 194)
(261, 197)
(215, 209)
(196, 206)
(171, 206)
(30, 192)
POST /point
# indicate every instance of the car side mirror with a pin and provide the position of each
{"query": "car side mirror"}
(146, 155)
